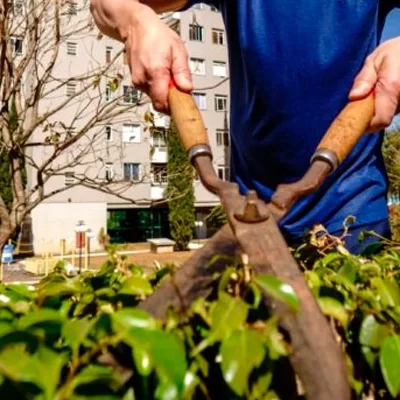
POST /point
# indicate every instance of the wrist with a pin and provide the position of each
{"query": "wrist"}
(116, 18)
(132, 17)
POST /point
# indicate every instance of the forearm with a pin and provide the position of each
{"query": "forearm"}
(113, 17)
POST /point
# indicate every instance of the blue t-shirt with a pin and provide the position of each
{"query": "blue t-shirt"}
(292, 65)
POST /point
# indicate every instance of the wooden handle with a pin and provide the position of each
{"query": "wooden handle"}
(348, 127)
(187, 118)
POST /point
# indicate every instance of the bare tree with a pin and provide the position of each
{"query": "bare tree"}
(53, 116)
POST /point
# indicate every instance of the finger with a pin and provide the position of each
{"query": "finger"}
(387, 93)
(364, 81)
(180, 68)
(159, 78)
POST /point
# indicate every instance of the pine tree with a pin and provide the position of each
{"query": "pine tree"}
(180, 191)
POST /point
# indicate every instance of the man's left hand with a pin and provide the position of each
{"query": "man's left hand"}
(381, 73)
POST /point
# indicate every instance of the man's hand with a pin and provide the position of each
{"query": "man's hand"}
(381, 73)
(155, 53)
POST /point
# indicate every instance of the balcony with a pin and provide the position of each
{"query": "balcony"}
(157, 192)
(159, 155)
(160, 120)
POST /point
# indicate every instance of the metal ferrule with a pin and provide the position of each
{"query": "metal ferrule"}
(197, 150)
(328, 156)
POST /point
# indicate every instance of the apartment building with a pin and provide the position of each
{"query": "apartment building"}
(121, 150)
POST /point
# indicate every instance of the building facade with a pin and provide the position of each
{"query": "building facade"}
(120, 149)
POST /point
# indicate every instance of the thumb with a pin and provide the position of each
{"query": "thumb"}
(364, 82)
(180, 69)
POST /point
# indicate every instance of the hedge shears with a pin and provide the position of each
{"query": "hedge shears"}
(253, 230)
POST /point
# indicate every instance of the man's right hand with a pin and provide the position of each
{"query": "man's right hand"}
(155, 52)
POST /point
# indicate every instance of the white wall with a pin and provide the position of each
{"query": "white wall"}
(52, 222)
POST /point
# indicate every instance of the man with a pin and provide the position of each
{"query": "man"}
(293, 66)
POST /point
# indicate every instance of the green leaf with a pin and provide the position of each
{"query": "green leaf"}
(313, 280)
(370, 356)
(356, 385)
(75, 332)
(225, 278)
(330, 258)
(276, 344)
(49, 372)
(165, 352)
(95, 374)
(372, 333)
(17, 365)
(241, 352)
(142, 361)
(28, 339)
(228, 314)
(279, 290)
(372, 249)
(130, 317)
(257, 295)
(5, 327)
(59, 286)
(6, 315)
(42, 369)
(166, 391)
(335, 309)
(43, 315)
(348, 271)
(261, 385)
(20, 292)
(136, 285)
(388, 291)
(271, 395)
(389, 359)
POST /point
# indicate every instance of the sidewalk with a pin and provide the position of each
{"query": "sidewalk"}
(141, 256)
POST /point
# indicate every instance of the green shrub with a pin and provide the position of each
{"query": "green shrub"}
(83, 337)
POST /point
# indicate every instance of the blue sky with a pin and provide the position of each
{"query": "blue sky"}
(392, 27)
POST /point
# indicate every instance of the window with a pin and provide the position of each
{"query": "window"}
(218, 36)
(108, 130)
(16, 46)
(131, 95)
(109, 93)
(215, 9)
(69, 178)
(199, 6)
(131, 133)
(71, 88)
(197, 66)
(72, 8)
(131, 172)
(220, 102)
(158, 174)
(223, 172)
(108, 54)
(18, 7)
(109, 168)
(219, 68)
(200, 99)
(158, 139)
(196, 33)
(71, 48)
(222, 137)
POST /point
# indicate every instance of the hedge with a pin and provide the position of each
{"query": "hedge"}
(83, 337)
